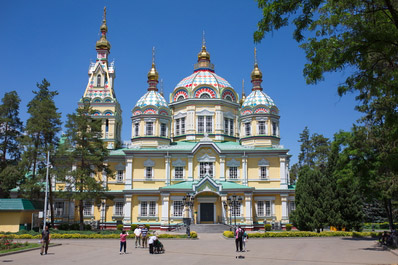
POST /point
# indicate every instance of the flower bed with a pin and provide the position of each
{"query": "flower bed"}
(7, 243)
(230, 234)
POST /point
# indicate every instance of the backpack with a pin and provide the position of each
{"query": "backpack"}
(240, 233)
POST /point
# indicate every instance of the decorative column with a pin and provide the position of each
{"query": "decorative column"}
(190, 168)
(127, 209)
(219, 122)
(222, 168)
(285, 215)
(224, 210)
(129, 173)
(165, 210)
(167, 159)
(244, 168)
(249, 210)
(283, 173)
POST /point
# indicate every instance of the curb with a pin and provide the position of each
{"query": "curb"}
(26, 250)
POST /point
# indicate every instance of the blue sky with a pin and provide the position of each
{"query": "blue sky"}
(56, 40)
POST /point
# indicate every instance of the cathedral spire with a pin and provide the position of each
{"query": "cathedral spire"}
(203, 55)
(103, 43)
(256, 74)
(153, 75)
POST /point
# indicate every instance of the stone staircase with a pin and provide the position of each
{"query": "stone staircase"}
(209, 228)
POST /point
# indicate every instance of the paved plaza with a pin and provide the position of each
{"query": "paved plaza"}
(213, 249)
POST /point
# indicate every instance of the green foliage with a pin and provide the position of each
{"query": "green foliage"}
(120, 227)
(147, 226)
(133, 227)
(230, 234)
(267, 227)
(289, 227)
(64, 226)
(84, 149)
(193, 234)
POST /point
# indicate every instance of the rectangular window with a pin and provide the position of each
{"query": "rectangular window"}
(182, 125)
(233, 172)
(178, 208)
(292, 206)
(247, 128)
(152, 208)
(119, 177)
(136, 129)
(163, 129)
(144, 208)
(209, 124)
(261, 127)
(274, 129)
(263, 172)
(206, 168)
(267, 208)
(201, 124)
(236, 209)
(148, 172)
(177, 126)
(179, 172)
(149, 128)
(231, 127)
(119, 208)
(59, 208)
(226, 126)
(260, 208)
(87, 210)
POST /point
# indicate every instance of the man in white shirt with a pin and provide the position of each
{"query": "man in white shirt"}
(137, 233)
(151, 241)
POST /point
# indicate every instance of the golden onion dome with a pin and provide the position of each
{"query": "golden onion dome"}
(104, 27)
(153, 74)
(256, 73)
(203, 54)
(103, 44)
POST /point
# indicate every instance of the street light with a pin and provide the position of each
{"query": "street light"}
(188, 203)
(233, 204)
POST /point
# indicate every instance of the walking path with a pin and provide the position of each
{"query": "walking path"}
(213, 249)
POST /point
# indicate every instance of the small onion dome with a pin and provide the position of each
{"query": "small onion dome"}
(258, 97)
(103, 43)
(203, 54)
(242, 100)
(256, 73)
(153, 74)
(152, 98)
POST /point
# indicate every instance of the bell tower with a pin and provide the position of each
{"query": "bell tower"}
(100, 91)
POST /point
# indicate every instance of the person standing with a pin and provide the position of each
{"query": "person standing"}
(245, 238)
(151, 241)
(123, 241)
(144, 236)
(238, 239)
(45, 240)
(137, 233)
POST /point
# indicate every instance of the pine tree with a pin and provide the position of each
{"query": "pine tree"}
(42, 128)
(10, 133)
(85, 153)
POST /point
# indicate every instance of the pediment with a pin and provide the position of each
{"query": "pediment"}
(207, 184)
(233, 163)
(178, 163)
(263, 163)
(120, 166)
(149, 163)
(205, 112)
(206, 158)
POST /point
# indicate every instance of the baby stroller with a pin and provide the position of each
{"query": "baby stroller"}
(158, 247)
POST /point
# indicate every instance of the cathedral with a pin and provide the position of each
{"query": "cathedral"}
(205, 148)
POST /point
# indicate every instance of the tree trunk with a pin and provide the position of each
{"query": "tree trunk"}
(388, 208)
(81, 215)
(51, 203)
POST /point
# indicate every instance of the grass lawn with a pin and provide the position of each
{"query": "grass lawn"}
(30, 245)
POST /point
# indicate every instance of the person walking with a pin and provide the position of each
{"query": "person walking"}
(137, 233)
(245, 238)
(45, 240)
(123, 241)
(151, 242)
(238, 239)
(144, 237)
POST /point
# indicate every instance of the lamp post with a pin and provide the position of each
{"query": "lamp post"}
(233, 204)
(188, 203)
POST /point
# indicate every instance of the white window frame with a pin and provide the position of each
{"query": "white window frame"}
(148, 172)
(149, 125)
(234, 170)
(265, 199)
(136, 129)
(163, 126)
(266, 208)
(86, 212)
(116, 211)
(179, 176)
(178, 163)
(263, 164)
(275, 126)
(261, 131)
(181, 204)
(239, 208)
(233, 163)
(248, 128)
(56, 212)
(211, 171)
(206, 115)
(148, 201)
(119, 176)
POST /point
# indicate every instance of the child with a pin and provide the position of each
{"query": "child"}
(245, 238)
(123, 237)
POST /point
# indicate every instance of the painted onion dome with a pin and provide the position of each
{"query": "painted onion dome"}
(152, 102)
(103, 43)
(204, 82)
(258, 97)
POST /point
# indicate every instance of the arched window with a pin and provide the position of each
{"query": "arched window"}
(180, 98)
(98, 80)
(205, 95)
(229, 98)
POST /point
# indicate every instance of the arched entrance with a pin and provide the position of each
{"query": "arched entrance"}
(207, 207)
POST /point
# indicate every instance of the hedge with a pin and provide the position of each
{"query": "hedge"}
(92, 236)
(230, 234)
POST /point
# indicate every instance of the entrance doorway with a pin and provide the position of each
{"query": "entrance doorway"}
(207, 212)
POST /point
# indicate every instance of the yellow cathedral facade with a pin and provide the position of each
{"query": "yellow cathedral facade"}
(206, 143)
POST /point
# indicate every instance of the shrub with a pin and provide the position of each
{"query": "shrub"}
(288, 227)
(87, 227)
(119, 227)
(228, 234)
(194, 234)
(64, 226)
(267, 227)
(147, 226)
(133, 227)
(75, 226)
